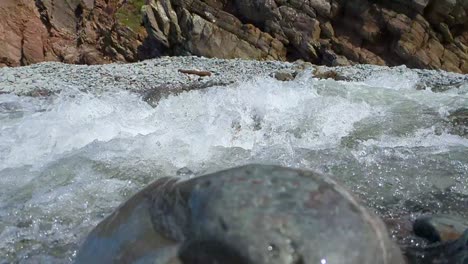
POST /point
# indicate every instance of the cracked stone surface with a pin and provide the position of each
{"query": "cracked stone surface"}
(429, 34)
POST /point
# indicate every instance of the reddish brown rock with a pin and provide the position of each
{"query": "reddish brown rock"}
(418, 33)
(22, 34)
(72, 31)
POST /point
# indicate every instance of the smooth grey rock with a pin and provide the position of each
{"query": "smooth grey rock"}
(250, 214)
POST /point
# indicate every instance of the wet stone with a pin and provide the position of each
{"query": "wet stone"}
(459, 121)
(153, 95)
(249, 214)
(449, 252)
(432, 239)
(40, 93)
(329, 74)
(440, 228)
(443, 86)
(285, 76)
(185, 172)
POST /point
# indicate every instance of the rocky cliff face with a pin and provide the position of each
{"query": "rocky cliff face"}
(72, 31)
(419, 33)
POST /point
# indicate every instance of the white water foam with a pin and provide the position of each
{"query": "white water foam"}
(405, 80)
(67, 161)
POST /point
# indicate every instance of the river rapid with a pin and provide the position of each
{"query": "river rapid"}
(67, 160)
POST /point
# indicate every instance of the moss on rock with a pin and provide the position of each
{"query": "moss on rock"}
(129, 14)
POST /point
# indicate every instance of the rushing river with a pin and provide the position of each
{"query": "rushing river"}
(68, 160)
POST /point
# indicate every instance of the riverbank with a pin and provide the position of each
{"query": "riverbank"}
(164, 74)
(429, 34)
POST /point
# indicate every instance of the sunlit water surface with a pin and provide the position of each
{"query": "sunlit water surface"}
(67, 161)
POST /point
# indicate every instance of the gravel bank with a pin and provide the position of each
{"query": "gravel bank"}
(136, 77)
(52, 77)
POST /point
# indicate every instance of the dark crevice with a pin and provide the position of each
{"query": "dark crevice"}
(233, 9)
(300, 260)
(399, 6)
(230, 7)
(22, 59)
(44, 16)
(79, 22)
(429, 9)
(150, 49)
(293, 54)
(458, 30)
(79, 12)
(382, 48)
(210, 252)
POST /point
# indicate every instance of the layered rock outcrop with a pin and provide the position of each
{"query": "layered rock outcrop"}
(72, 31)
(429, 34)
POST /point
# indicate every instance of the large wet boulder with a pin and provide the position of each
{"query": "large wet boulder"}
(250, 214)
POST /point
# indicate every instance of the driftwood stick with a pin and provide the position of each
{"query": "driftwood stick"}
(199, 73)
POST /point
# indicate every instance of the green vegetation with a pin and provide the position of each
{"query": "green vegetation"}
(129, 14)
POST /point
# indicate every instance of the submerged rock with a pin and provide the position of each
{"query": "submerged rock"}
(250, 214)
(449, 252)
(285, 75)
(440, 228)
(459, 120)
(431, 239)
(154, 95)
